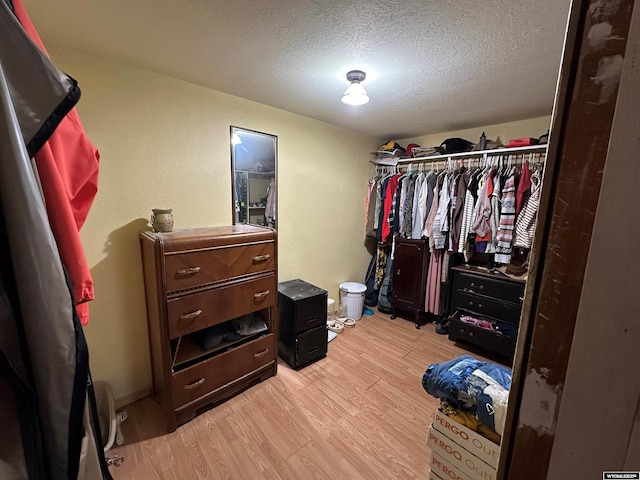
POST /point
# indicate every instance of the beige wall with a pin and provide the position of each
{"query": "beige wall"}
(533, 127)
(164, 143)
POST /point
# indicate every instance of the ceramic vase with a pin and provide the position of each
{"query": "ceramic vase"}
(162, 220)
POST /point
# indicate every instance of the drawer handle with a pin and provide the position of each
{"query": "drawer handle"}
(480, 287)
(471, 303)
(193, 385)
(260, 354)
(188, 271)
(261, 294)
(261, 258)
(190, 315)
(473, 285)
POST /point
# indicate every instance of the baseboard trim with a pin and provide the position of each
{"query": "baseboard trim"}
(132, 397)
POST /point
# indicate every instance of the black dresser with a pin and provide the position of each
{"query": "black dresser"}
(491, 298)
(302, 315)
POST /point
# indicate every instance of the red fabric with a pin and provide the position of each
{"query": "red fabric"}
(68, 170)
(523, 186)
(392, 186)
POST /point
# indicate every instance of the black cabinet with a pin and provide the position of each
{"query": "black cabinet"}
(494, 300)
(302, 313)
(409, 279)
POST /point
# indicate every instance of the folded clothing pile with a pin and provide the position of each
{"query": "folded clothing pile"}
(478, 388)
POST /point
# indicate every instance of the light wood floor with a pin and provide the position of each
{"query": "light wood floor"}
(360, 413)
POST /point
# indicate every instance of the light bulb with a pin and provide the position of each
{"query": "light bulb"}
(355, 94)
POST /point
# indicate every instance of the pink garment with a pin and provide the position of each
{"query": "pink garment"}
(432, 295)
(68, 169)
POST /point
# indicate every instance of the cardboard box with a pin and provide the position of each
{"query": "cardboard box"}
(473, 442)
(458, 457)
(445, 470)
(433, 476)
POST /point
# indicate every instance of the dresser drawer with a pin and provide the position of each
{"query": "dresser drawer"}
(502, 345)
(199, 310)
(209, 375)
(194, 269)
(492, 287)
(507, 311)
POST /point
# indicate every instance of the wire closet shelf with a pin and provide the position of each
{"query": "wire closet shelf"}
(535, 153)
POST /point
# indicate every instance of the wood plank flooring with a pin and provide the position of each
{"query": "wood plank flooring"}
(360, 413)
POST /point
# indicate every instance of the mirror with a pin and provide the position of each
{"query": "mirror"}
(253, 173)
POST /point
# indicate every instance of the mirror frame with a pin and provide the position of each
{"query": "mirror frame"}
(234, 130)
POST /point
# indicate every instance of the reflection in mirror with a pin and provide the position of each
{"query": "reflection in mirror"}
(253, 170)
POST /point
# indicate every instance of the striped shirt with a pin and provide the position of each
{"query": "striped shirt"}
(526, 221)
(507, 220)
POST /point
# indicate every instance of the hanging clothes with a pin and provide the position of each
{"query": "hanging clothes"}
(460, 195)
(426, 201)
(388, 195)
(441, 220)
(379, 204)
(524, 187)
(45, 385)
(471, 196)
(526, 221)
(507, 220)
(432, 294)
(494, 218)
(481, 225)
(394, 212)
(433, 210)
(68, 170)
(408, 190)
(416, 220)
(382, 253)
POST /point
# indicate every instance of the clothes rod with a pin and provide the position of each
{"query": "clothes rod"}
(393, 161)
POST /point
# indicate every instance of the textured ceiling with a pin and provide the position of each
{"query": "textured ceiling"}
(432, 65)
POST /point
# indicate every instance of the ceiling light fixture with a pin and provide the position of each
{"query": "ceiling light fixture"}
(355, 94)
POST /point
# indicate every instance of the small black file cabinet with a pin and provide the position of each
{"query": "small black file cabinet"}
(302, 328)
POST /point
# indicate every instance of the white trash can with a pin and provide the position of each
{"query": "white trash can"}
(352, 293)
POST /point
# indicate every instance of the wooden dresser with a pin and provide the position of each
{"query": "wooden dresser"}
(200, 284)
